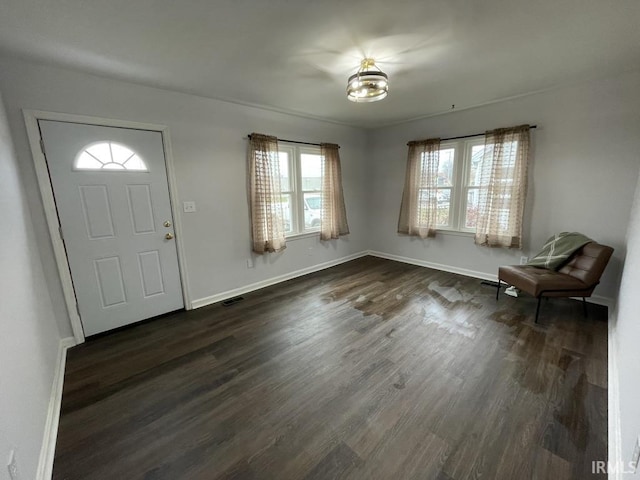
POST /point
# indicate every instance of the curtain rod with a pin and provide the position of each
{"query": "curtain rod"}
(469, 136)
(297, 142)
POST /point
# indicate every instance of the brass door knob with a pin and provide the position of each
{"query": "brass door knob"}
(169, 236)
(167, 223)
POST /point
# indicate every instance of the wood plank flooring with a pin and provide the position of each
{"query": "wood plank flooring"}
(369, 370)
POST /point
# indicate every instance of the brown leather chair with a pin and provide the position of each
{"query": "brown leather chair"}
(577, 278)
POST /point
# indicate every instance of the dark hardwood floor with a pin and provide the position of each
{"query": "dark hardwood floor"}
(369, 370)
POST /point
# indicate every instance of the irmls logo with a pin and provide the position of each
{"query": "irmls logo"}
(600, 466)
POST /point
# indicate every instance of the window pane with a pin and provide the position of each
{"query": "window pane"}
(471, 215)
(109, 156)
(423, 205)
(120, 153)
(312, 207)
(286, 213)
(445, 167)
(477, 152)
(135, 163)
(87, 162)
(285, 177)
(311, 171)
(101, 151)
(507, 156)
(444, 207)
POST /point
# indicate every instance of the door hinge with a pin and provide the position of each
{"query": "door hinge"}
(60, 231)
(42, 146)
(78, 310)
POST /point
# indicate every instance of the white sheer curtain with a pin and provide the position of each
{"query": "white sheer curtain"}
(419, 208)
(503, 187)
(267, 220)
(334, 214)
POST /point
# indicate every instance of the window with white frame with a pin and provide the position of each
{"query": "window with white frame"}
(301, 183)
(458, 184)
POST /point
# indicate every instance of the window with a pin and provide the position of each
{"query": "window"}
(446, 183)
(458, 185)
(477, 185)
(475, 181)
(475, 152)
(109, 156)
(301, 184)
(460, 178)
(503, 187)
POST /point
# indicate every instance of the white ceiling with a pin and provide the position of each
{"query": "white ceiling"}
(296, 55)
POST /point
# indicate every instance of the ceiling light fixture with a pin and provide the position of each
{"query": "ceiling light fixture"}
(368, 84)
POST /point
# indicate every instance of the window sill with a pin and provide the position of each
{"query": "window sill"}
(300, 236)
(455, 233)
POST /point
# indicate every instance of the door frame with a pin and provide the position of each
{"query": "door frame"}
(36, 144)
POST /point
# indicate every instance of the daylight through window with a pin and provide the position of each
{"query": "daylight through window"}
(109, 156)
(458, 185)
(301, 184)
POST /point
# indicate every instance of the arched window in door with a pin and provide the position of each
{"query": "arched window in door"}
(109, 156)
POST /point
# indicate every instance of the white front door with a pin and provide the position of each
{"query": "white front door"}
(111, 192)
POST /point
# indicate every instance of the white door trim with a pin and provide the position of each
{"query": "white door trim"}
(31, 118)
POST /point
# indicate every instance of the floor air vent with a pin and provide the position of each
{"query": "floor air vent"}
(231, 301)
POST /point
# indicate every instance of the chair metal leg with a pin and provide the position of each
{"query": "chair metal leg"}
(584, 306)
(498, 292)
(538, 309)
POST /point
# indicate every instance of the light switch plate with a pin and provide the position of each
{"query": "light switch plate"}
(189, 207)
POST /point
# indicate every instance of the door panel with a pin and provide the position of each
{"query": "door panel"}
(110, 281)
(97, 212)
(151, 273)
(111, 192)
(141, 208)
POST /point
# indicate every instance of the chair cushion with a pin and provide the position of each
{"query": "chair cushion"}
(536, 281)
(588, 263)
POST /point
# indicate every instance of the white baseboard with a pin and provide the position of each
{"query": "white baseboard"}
(613, 401)
(436, 266)
(218, 297)
(201, 302)
(596, 299)
(48, 450)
